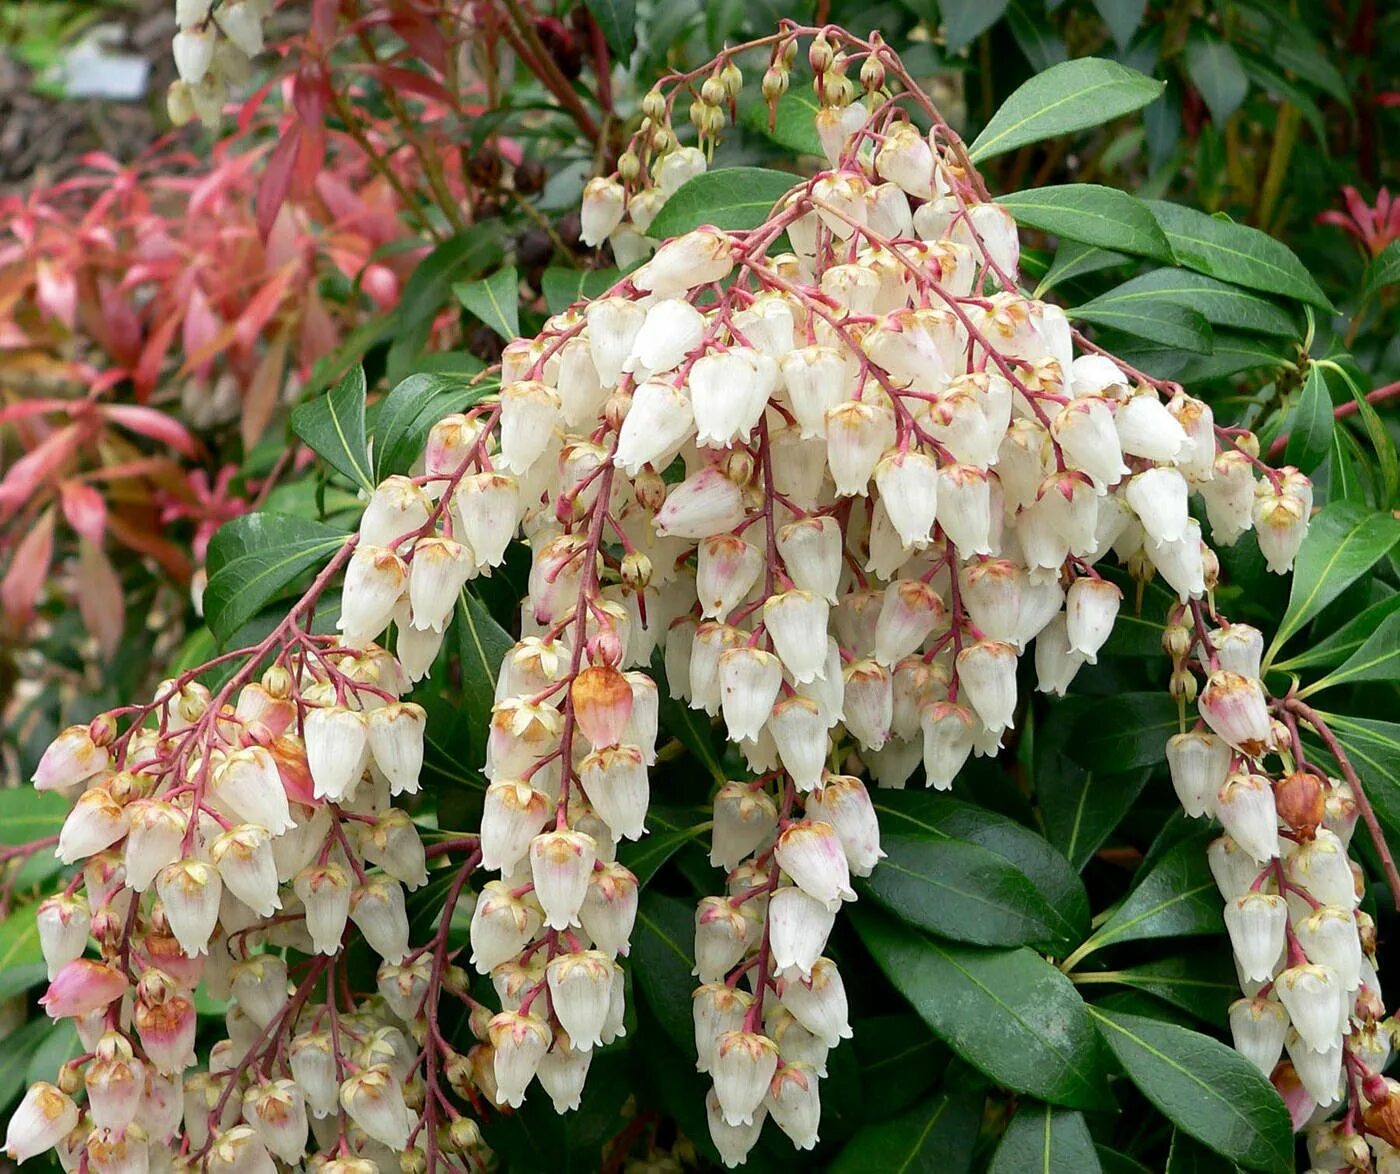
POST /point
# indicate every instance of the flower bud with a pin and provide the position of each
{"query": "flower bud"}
(70, 759)
(1301, 799)
(1234, 707)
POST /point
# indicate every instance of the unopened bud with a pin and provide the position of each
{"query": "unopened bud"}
(1382, 1117)
(820, 55)
(629, 167)
(616, 409)
(1210, 568)
(872, 74)
(732, 79)
(636, 570)
(650, 489)
(836, 90)
(713, 91)
(1183, 686)
(662, 140)
(102, 729)
(654, 106)
(775, 83)
(738, 466)
(278, 682)
(1247, 443)
(1176, 642)
(70, 1078)
(413, 1162)
(1366, 931)
(465, 1135)
(1301, 801)
(699, 115)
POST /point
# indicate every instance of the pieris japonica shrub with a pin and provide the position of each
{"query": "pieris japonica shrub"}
(788, 527)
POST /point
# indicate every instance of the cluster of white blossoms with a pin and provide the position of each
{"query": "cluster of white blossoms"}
(842, 489)
(213, 50)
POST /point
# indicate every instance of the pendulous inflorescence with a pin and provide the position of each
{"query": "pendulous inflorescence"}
(842, 474)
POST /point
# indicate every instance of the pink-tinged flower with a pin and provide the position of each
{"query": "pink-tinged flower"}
(337, 750)
(561, 863)
(1235, 708)
(794, 1102)
(43, 1119)
(602, 701)
(276, 1109)
(377, 908)
(81, 987)
(519, 1043)
(810, 853)
(1301, 1104)
(857, 433)
(249, 782)
(166, 1030)
(615, 781)
(374, 1100)
(843, 802)
(70, 759)
(705, 503)
(799, 925)
(1374, 226)
(609, 908)
(721, 934)
(63, 923)
(488, 507)
(190, 891)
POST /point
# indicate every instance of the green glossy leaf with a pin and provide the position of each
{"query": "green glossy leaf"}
(1047, 1139)
(1220, 303)
(21, 959)
(1093, 215)
(429, 287)
(1381, 441)
(1073, 259)
(27, 814)
(1378, 659)
(1112, 1162)
(794, 125)
(1042, 45)
(254, 558)
(1203, 982)
(965, 20)
(1344, 542)
(1081, 808)
(1188, 1156)
(1008, 1013)
(1122, 17)
(1232, 354)
(900, 1060)
(334, 426)
(960, 891)
(1310, 424)
(1345, 640)
(731, 197)
(19, 1048)
(1133, 740)
(1384, 270)
(929, 815)
(1176, 898)
(662, 958)
(482, 644)
(1158, 320)
(1204, 1088)
(690, 727)
(1374, 749)
(669, 829)
(618, 20)
(1078, 94)
(495, 300)
(934, 1137)
(563, 287)
(1215, 69)
(399, 423)
(1236, 253)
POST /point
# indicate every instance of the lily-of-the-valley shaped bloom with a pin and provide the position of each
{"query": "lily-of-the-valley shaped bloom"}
(889, 474)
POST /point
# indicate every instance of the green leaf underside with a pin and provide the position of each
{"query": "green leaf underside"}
(495, 300)
(1344, 542)
(1075, 95)
(1236, 253)
(334, 426)
(1215, 68)
(1009, 1013)
(959, 891)
(27, 814)
(735, 198)
(254, 558)
(1092, 214)
(1044, 1138)
(1203, 1087)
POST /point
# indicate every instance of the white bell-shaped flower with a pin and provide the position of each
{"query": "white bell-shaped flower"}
(1158, 497)
(337, 750)
(817, 380)
(705, 503)
(798, 926)
(1198, 763)
(726, 569)
(857, 433)
(615, 781)
(1147, 429)
(1234, 708)
(513, 814)
(324, 890)
(1245, 807)
(811, 550)
(1091, 606)
(728, 392)
(560, 864)
(744, 1063)
(580, 990)
(1258, 1027)
(377, 909)
(397, 509)
(750, 679)
(1316, 1001)
(1256, 922)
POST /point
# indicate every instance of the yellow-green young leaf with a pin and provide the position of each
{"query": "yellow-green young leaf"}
(1310, 424)
(794, 126)
(563, 287)
(495, 300)
(1344, 542)
(1074, 95)
(1204, 1088)
(1216, 70)
(936, 1136)
(334, 426)
(1236, 253)
(732, 197)
(1044, 1138)
(254, 558)
(1008, 1013)
(1093, 214)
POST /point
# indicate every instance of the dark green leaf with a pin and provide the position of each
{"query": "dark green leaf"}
(1135, 739)
(1158, 320)
(669, 830)
(427, 291)
(662, 958)
(1236, 253)
(334, 426)
(965, 20)
(927, 815)
(900, 1060)
(1085, 92)
(618, 20)
(1220, 303)
(1310, 424)
(1073, 259)
(795, 126)
(1008, 1013)
(960, 891)
(1092, 214)
(1275, 84)
(1378, 659)
(1204, 1088)
(20, 1047)
(1345, 640)
(1176, 898)
(1344, 542)
(400, 422)
(1041, 1137)
(1384, 270)
(731, 197)
(1122, 17)
(1203, 983)
(495, 300)
(1382, 442)
(255, 557)
(1040, 43)
(691, 727)
(1112, 1162)
(1081, 808)
(934, 1137)
(1188, 1156)
(1216, 70)
(482, 644)
(1374, 749)
(563, 287)
(1232, 354)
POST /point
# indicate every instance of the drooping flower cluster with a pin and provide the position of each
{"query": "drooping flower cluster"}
(213, 50)
(841, 489)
